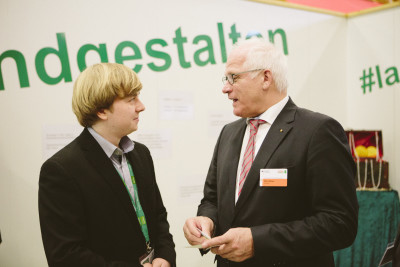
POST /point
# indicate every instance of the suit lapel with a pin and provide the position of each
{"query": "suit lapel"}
(106, 170)
(276, 135)
(232, 157)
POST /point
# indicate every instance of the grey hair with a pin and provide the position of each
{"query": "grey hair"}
(262, 54)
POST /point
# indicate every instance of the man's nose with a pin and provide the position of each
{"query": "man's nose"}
(140, 107)
(227, 88)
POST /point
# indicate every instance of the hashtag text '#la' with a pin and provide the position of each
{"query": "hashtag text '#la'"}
(372, 77)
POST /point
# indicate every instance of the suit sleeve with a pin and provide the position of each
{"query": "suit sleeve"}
(164, 245)
(209, 204)
(62, 221)
(333, 218)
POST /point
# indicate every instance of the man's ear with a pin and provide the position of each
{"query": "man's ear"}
(267, 79)
(102, 114)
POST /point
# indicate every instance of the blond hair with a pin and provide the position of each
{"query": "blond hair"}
(98, 86)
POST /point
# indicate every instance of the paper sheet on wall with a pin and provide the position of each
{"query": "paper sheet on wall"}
(217, 120)
(55, 137)
(176, 105)
(191, 188)
(157, 141)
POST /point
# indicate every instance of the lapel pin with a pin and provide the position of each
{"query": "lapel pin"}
(281, 130)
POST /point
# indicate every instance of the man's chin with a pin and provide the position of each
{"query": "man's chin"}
(238, 114)
(133, 129)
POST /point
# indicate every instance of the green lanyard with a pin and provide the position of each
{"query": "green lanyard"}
(138, 207)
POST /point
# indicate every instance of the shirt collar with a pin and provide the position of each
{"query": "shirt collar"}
(272, 113)
(126, 144)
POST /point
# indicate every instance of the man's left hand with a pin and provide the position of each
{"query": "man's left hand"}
(159, 262)
(235, 245)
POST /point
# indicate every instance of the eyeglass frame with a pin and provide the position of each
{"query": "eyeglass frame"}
(226, 77)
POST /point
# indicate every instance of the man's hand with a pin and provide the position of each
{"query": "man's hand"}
(159, 262)
(235, 245)
(190, 229)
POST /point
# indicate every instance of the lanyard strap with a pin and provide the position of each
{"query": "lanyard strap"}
(136, 204)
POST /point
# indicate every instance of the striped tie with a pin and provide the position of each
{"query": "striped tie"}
(249, 154)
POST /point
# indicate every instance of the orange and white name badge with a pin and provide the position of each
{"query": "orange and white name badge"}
(273, 177)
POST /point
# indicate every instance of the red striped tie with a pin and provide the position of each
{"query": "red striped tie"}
(249, 154)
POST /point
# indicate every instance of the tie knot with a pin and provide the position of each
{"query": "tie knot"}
(118, 155)
(254, 123)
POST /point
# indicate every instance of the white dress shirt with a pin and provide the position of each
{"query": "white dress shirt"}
(269, 116)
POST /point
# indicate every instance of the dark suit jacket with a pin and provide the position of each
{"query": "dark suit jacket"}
(297, 225)
(86, 215)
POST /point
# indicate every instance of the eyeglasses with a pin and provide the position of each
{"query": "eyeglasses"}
(231, 77)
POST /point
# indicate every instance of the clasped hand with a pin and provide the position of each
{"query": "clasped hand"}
(235, 245)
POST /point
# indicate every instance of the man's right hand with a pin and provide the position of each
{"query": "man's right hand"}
(190, 229)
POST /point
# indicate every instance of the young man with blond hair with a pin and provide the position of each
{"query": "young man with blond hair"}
(99, 203)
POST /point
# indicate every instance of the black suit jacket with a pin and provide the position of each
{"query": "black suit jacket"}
(297, 225)
(86, 215)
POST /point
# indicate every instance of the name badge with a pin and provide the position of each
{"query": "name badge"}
(273, 177)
